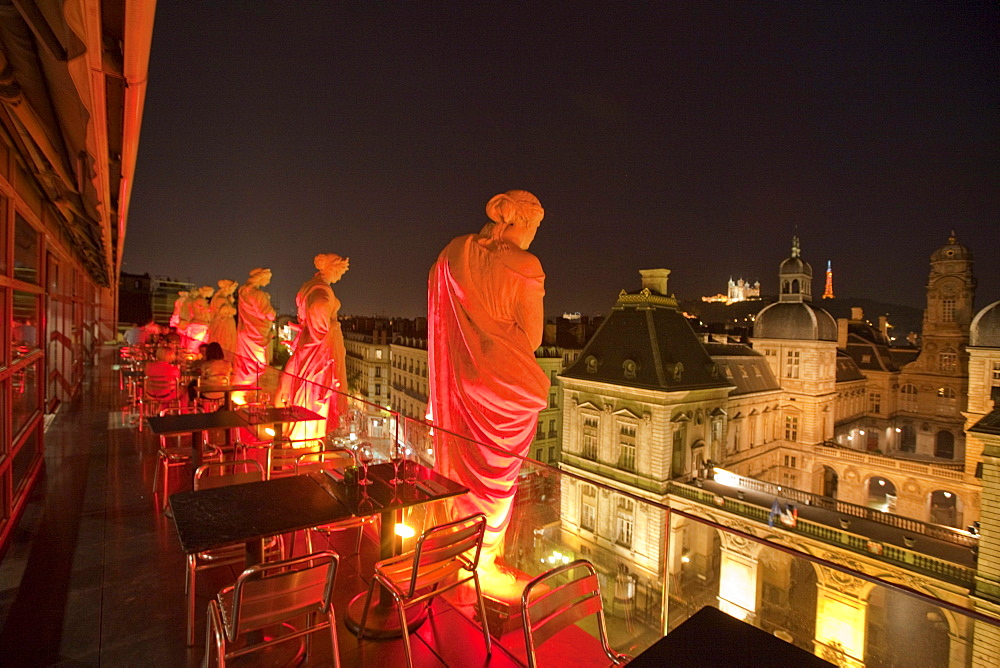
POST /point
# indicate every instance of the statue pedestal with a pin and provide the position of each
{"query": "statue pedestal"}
(502, 589)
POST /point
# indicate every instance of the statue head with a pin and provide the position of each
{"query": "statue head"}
(331, 267)
(205, 291)
(259, 277)
(226, 286)
(516, 215)
(183, 294)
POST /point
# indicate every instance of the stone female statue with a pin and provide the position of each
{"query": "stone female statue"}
(200, 316)
(222, 326)
(175, 317)
(254, 332)
(485, 320)
(316, 375)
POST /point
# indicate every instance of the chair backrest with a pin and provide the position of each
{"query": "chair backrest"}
(160, 386)
(550, 605)
(325, 460)
(441, 550)
(284, 456)
(272, 592)
(220, 474)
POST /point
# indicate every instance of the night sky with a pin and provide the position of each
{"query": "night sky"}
(693, 136)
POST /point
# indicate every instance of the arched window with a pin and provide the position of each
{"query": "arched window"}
(784, 287)
(795, 286)
(944, 445)
(908, 398)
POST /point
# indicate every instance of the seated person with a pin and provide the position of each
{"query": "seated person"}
(215, 370)
(162, 377)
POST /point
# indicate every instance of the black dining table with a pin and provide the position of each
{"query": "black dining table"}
(268, 415)
(250, 512)
(711, 637)
(195, 424)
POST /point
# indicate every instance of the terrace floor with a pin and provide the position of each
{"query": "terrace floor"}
(94, 575)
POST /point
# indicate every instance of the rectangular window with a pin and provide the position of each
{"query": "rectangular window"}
(24, 330)
(552, 429)
(790, 461)
(625, 516)
(875, 402)
(553, 399)
(949, 361)
(588, 508)
(948, 310)
(378, 372)
(590, 424)
(792, 364)
(626, 440)
(378, 355)
(27, 251)
(995, 381)
(791, 428)
(552, 454)
(539, 431)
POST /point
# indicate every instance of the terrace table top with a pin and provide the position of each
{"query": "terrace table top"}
(172, 425)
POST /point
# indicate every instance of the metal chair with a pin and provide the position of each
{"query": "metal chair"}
(157, 393)
(174, 456)
(335, 459)
(219, 474)
(432, 568)
(271, 594)
(550, 607)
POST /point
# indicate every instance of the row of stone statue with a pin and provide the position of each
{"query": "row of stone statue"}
(317, 367)
(485, 319)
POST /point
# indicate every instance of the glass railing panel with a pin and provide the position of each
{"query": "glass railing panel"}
(836, 609)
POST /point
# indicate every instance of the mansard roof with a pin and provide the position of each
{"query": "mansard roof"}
(646, 343)
(847, 369)
(744, 367)
(867, 347)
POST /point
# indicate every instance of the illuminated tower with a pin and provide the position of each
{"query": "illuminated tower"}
(828, 291)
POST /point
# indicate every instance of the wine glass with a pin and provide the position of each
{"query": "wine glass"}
(397, 453)
(365, 457)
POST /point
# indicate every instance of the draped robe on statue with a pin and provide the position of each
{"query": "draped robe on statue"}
(222, 327)
(253, 334)
(319, 364)
(197, 329)
(485, 320)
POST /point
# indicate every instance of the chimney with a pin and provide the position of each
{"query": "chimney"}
(857, 313)
(883, 326)
(655, 280)
(842, 324)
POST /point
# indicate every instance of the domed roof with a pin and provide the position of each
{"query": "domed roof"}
(951, 251)
(800, 321)
(795, 265)
(984, 332)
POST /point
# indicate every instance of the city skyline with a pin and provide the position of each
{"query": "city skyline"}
(691, 138)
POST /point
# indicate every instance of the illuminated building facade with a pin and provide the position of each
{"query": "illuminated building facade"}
(368, 377)
(772, 412)
(70, 112)
(737, 291)
(408, 377)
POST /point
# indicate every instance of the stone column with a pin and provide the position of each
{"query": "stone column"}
(841, 617)
(738, 577)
